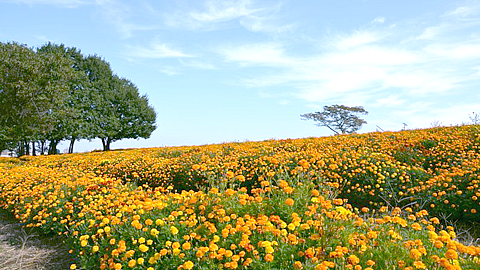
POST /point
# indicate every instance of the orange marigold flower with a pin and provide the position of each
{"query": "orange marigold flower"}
(451, 254)
(289, 201)
(419, 265)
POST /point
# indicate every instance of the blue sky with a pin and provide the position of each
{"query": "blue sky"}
(221, 71)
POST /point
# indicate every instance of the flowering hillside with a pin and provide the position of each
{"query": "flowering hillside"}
(370, 201)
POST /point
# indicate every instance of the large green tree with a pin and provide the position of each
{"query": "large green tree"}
(134, 117)
(118, 110)
(76, 108)
(34, 87)
(55, 93)
(340, 119)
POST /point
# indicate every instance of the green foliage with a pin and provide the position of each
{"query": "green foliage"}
(340, 119)
(54, 93)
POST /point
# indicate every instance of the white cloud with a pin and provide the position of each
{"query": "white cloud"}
(464, 11)
(379, 20)
(430, 32)
(372, 55)
(121, 16)
(59, 3)
(362, 66)
(265, 24)
(455, 50)
(224, 10)
(253, 17)
(389, 101)
(197, 64)
(356, 39)
(154, 51)
(259, 54)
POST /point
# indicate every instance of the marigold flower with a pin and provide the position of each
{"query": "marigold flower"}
(419, 265)
(289, 201)
(143, 248)
(451, 254)
(173, 230)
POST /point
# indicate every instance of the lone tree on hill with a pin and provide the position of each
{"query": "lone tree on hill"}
(340, 119)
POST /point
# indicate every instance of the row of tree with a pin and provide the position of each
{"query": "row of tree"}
(54, 93)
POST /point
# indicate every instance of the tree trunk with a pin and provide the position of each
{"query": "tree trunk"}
(52, 149)
(34, 152)
(42, 147)
(21, 149)
(104, 143)
(70, 148)
(27, 148)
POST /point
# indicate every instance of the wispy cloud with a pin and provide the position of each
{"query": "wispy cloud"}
(379, 20)
(127, 19)
(154, 51)
(197, 64)
(356, 39)
(59, 3)
(367, 64)
(217, 10)
(252, 16)
(270, 54)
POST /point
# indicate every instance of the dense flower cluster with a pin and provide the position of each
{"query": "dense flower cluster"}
(304, 204)
(433, 168)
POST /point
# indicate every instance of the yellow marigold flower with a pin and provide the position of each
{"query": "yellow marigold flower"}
(83, 243)
(372, 235)
(140, 260)
(173, 230)
(269, 257)
(352, 259)
(188, 265)
(143, 248)
(117, 266)
(73, 266)
(95, 249)
(154, 232)
(298, 265)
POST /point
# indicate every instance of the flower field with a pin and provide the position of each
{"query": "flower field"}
(369, 201)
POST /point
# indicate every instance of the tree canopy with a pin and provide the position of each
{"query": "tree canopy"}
(54, 93)
(340, 119)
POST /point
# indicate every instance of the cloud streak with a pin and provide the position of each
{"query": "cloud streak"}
(156, 50)
(58, 3)
(367, 64)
